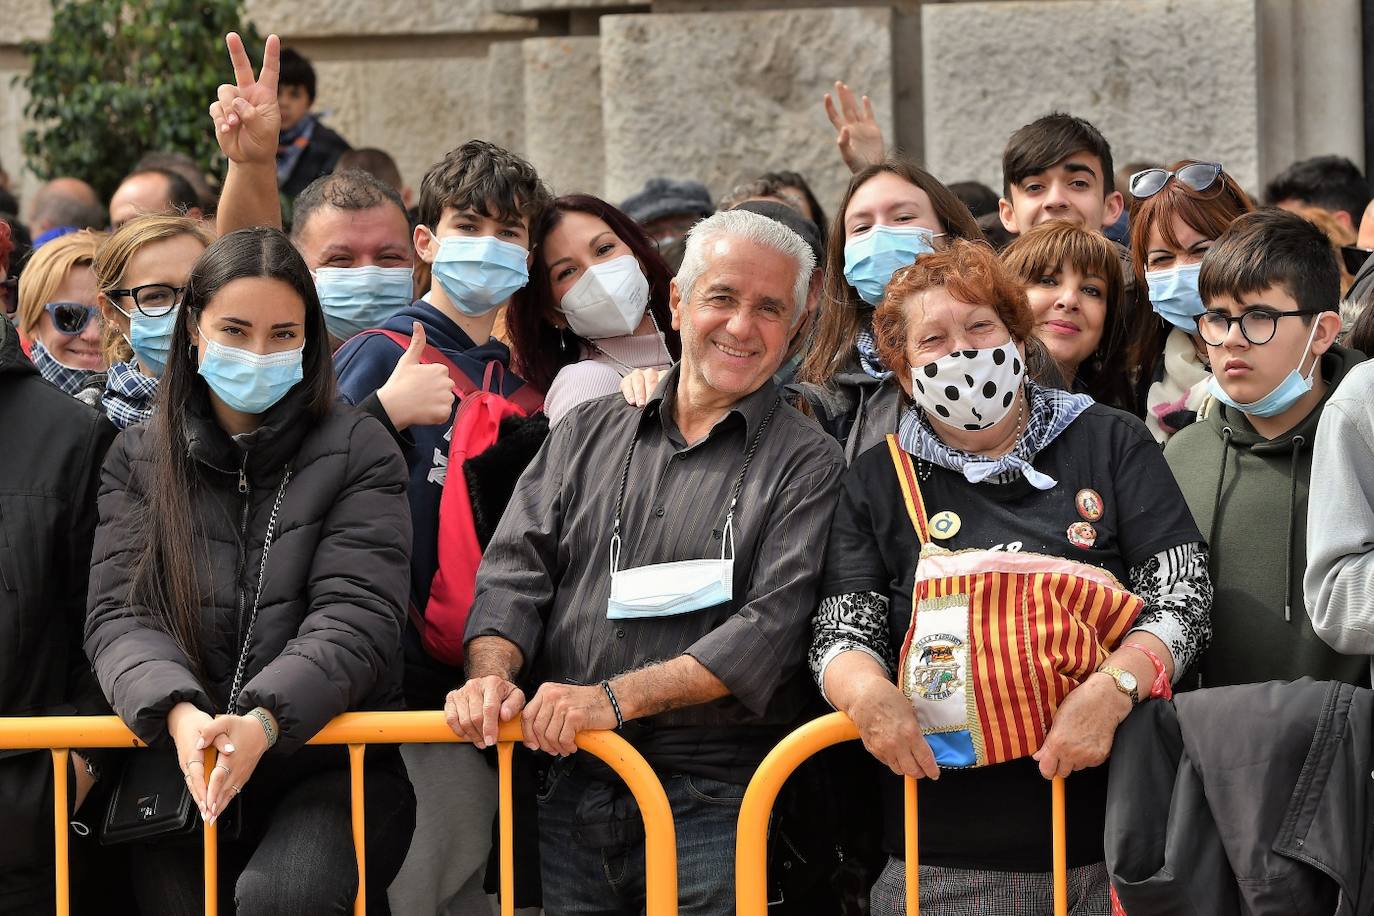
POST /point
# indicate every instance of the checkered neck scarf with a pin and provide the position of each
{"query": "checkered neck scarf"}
(868, 355)
(68, 379)
(128, 397)
(1049, 413)
(291, 146)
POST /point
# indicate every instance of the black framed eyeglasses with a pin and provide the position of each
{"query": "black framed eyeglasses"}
(1199, 176)
(1257, 325)
(152, 299)
(70, 318)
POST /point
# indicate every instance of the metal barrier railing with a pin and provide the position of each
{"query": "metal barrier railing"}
(751, 845)
(62, 734)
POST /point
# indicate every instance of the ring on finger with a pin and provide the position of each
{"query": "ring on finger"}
(235, 789)
(220, 766)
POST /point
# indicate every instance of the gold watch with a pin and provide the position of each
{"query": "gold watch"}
(1125, 682)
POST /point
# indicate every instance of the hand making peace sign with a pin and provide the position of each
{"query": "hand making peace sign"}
(247, 117)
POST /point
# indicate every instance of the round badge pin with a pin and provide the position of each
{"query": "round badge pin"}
(944, 525)
(1082, 535)
(1089, 503)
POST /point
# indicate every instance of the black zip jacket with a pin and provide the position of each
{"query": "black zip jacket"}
(51, 465)
(328, 633)
(1253, 800)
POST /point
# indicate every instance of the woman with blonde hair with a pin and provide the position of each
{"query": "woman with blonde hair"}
(141, 275)
(59, 321)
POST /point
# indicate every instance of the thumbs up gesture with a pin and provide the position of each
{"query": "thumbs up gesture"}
(416, 394)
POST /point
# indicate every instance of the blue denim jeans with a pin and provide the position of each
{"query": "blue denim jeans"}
(582, 880)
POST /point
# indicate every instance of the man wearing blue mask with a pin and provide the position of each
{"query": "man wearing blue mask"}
(655, 573)
(1271, 288)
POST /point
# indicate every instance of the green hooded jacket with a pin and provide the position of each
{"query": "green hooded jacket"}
(1248, 495)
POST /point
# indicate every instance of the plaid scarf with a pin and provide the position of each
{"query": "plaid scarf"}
(291, 146)
(1050, 413)
(67, 378)
(128, 397)
(868, 355)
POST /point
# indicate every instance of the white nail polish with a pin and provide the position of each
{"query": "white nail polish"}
(228, 749)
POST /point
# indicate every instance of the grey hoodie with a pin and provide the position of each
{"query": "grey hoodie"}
(1339, 583)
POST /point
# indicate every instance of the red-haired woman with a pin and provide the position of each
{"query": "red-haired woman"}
(1061, 580)
(596, 307)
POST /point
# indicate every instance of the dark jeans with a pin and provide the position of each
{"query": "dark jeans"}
(581, 880)
(295, 856)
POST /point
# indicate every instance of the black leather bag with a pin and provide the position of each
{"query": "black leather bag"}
(152, 801)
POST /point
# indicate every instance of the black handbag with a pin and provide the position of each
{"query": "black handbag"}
(152, 802)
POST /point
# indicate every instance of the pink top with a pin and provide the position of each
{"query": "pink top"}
(599, 373)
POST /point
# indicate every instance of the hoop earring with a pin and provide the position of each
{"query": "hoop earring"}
(563, 339)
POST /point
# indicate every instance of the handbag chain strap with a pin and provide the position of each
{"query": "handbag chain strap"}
(257, 594)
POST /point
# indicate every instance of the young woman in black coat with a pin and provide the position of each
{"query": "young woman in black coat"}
(199, 639)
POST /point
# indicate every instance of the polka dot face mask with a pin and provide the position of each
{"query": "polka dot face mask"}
(969, 389)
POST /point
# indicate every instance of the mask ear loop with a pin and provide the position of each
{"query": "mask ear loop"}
(1315, 358)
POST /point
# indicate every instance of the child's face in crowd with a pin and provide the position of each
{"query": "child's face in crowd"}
(1250, 371)
(887, 199)
(375, 237)
(166, 261)
(79, 351)
(1071, 189)
(576, 243)
(257, 314)
(1160, 255)
(455, 221)
(294, 102)
(1070, 310)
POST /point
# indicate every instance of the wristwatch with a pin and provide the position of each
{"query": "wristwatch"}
(1125, 682)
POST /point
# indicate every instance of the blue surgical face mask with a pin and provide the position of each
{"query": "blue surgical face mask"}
(1174, 295)
(355, 299)
(669, 589)
(478, 273)
(871, 259)
(1287, 393)
(250, 382)
(151, 339)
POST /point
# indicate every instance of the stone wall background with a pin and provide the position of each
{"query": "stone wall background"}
(603, 94)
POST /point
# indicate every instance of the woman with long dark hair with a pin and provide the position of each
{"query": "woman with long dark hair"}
(596, 307)
(248, 584)
(892, 213)
(1179, 213)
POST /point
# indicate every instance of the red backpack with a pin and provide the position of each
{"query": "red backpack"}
(476, 427)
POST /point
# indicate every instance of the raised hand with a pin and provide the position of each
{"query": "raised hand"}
(416, 393)
(246, 115)
(857, 133)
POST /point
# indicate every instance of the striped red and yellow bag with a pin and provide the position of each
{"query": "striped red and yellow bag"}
(998, 639)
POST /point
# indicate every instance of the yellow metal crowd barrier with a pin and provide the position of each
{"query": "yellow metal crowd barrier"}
(751, 844)
(62, 734)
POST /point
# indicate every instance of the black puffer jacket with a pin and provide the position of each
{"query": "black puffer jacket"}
(48, 476)
(328, 633)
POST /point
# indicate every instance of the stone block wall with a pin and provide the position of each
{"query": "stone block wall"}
(603, 94)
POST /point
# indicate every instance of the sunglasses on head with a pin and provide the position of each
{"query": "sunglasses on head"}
(70, 318)
(1199, 176)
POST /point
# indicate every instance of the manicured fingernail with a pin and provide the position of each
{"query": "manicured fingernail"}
(228, 748)
(211, 822)
(200, 744)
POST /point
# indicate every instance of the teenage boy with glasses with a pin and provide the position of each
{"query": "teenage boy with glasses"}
(1271, 288)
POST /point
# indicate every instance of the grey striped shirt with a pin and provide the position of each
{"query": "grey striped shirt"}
(545, 577)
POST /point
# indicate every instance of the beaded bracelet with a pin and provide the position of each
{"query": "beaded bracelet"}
(615, 705)
(265, 718)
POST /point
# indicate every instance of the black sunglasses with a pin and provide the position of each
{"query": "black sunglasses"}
(70, 318)
(1199, 176)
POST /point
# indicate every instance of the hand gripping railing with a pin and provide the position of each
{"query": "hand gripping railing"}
(61, 734)
(751, 845)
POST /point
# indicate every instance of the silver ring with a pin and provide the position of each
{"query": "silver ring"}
(220, 766)
(235, 788)
(194, 760)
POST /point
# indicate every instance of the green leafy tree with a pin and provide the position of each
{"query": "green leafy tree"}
(119, 79)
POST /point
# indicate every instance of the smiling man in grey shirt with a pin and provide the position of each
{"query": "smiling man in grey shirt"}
(656, 571)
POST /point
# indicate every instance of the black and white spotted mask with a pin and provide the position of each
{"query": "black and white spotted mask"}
(970, 389)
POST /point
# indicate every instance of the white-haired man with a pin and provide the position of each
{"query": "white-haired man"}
(656, 571)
